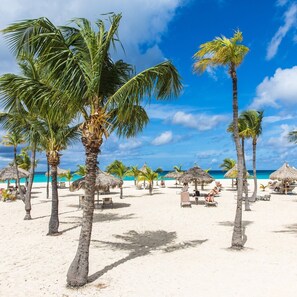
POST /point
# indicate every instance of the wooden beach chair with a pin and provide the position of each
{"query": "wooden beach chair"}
(107, 202)
(185, 199)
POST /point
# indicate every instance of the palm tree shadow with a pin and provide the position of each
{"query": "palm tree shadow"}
(140, 245)
(291, 229)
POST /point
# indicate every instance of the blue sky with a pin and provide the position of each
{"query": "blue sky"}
(192, 128)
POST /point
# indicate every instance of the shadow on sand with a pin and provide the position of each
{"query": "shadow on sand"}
(291, 229)
(140, 245)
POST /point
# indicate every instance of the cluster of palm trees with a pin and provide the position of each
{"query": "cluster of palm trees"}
(70, 86)
(118, 169)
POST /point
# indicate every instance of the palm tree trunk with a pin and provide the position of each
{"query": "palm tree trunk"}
(254, 170)
(237, 237)
(47, 181)
(17, 175)
(151, 188)
(53, 226)
(121, 192)
(30, 184)
(245, 186)
(78, 271)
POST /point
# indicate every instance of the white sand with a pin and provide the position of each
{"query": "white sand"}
(172, 251)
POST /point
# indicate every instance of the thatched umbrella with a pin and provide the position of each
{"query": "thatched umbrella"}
(143, 168)
(103, 181)
(284, 173)
(60, 171)
(174, 174)
(197, 175)
(10, 172)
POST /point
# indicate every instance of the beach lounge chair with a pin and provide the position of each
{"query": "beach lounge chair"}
(107, 202)
(212, 203)
(62, 185)
(185, 199)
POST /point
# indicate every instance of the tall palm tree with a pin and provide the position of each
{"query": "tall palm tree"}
(253, 121)
(107, 94)
(15, 138)
(68, 175)
(120, 170)
(228, 52)
(148, 175)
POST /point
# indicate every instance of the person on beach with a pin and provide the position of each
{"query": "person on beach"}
(185, 187)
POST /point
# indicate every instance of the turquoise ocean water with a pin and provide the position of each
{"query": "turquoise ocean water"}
(216, 174)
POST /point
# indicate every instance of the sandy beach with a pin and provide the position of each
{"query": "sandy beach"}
(150, 246)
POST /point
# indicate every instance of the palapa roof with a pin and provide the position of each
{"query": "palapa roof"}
(173, 174)
(10, 172)
(233, 172)
(60, 171)
(143, 168)
(285, 172)
(103, 180)
(196, 174)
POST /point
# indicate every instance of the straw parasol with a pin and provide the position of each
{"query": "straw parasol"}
(60, 171)
(233, 172)
(143, 168)
(103, 181)
(174, 174)
(197, 175)
(284, 173)
(10, 172)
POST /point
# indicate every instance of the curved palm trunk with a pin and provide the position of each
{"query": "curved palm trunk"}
(30, 184)
(78, 271)
(17, 174)
(237, 237)
(245, 186)
(255, 170)
(53, 226)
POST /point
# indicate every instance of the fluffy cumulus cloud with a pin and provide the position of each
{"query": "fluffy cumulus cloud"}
(163, 138)
(280, 88)
(280, 140)
(200, 122)
(147, 19)
(290, 18)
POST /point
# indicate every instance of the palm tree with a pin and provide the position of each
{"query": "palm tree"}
(81, 170)
(107, 94)
(120, 170)
(228, 52)
(178, 168)
(243, 134)
(148, 175)
(134, 171)
(68, 175)
(253, 120)
(159, 170)
(15, 138)
(227, 164)
(292, 136)
(55, 137)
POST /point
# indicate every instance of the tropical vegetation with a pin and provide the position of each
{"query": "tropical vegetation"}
(83, 78)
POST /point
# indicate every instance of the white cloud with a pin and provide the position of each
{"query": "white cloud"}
(290, 18)
(130, 144)
(281, 87)
(147, 19)
(277, 118)
(201, 122)
(164, 138)
(281, 2)
(281, 140)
